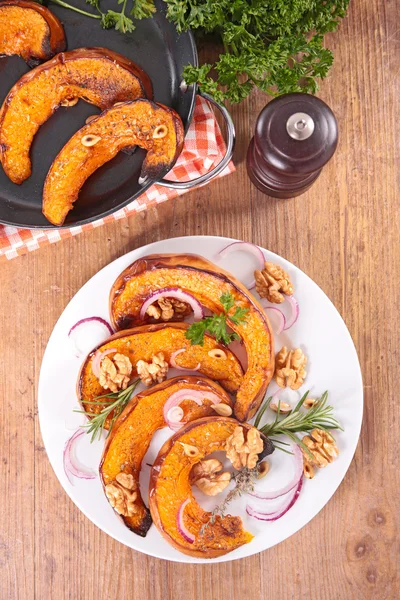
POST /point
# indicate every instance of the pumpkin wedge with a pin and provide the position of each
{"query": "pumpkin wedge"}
(206, 282)
(142, 343)
(30, 31)
(172, 500)
(154, 127)
(132, 433)
(96, 75)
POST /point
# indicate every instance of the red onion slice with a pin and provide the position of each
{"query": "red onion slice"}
(251, 248)
(282, 510)
(176, 366)
(177, 294)
(71, 464)
(98, 357)
(185, 533)
(278, 313)
(298, 464)
(175, 414)
(186, 394)
(79, 334)
(294, 315)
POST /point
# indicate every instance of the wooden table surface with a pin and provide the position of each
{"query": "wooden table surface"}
(344, 233)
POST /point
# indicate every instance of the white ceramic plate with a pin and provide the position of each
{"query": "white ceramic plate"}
(320, 331)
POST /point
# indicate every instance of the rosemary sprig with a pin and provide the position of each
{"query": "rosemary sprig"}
(98, 421)
(319, 416)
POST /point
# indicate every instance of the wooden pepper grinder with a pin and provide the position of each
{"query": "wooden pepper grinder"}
(295, 136)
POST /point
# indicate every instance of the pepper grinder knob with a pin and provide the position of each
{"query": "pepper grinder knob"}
(295, 136)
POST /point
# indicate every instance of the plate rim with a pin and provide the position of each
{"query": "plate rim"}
(231, 556)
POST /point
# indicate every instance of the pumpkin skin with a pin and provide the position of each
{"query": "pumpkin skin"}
(96, 75)
(170, 487)
(131, 434)
(206, 282)
(118, 128)
(30, 31)
(142, 343)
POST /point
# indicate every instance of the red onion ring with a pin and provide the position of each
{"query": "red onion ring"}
(294, 315)
(177, 294)
(282, 318)
(176, 366)
(282, 510)
(251, 248)
(71, 464)
(98, 357)
(298, 458)
(76, 329)
(185, 533)
(88, 320)
(186, 394)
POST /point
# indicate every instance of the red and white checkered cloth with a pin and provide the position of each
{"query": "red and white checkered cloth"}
(204, 148)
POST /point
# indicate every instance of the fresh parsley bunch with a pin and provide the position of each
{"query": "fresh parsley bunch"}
(216, 325)
(275, 45)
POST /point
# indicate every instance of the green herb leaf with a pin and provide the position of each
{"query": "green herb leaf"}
(112, 408)
(217, 324)
(319, 416)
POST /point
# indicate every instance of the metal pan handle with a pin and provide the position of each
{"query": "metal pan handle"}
(187, 185)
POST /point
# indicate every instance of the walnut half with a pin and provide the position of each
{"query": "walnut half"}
(207, 477)
(168, 308)
(115, 372)
(322, 448)
(241, 452)
(121, 494)
(290, 368)
(272, 282)
(154, 372)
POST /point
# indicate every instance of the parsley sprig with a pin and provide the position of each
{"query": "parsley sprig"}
(275, 45)
(111, 409)
(217, 325)
(141, 9)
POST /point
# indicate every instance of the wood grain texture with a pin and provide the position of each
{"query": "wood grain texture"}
(345, 234)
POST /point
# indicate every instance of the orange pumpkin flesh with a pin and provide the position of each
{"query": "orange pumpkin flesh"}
(97, 75)
(142, 343)
(30, 31)
(170, 487)
(206, 282)
(124, 126)
(132, 433)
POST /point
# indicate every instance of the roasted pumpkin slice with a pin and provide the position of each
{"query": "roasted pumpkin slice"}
(96, 75)
(174, 510)
(132, 433)
(151, 126)
(206, 282)
(30, 31)
(142, 343)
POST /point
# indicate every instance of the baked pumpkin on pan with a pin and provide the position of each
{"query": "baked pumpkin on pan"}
(96, 75)
(175, 512)
(143, 343)
(206, 282)
(30, 31)
(154, 127)
(131, 436)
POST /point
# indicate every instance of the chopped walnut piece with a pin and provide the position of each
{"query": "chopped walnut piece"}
(168, 308)
(290, 368)
(272, 282)
(241, 452)
(284, 407)
(122, 495)
(115, 372)
(154, 372)
(206, 476)
(323, 451)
